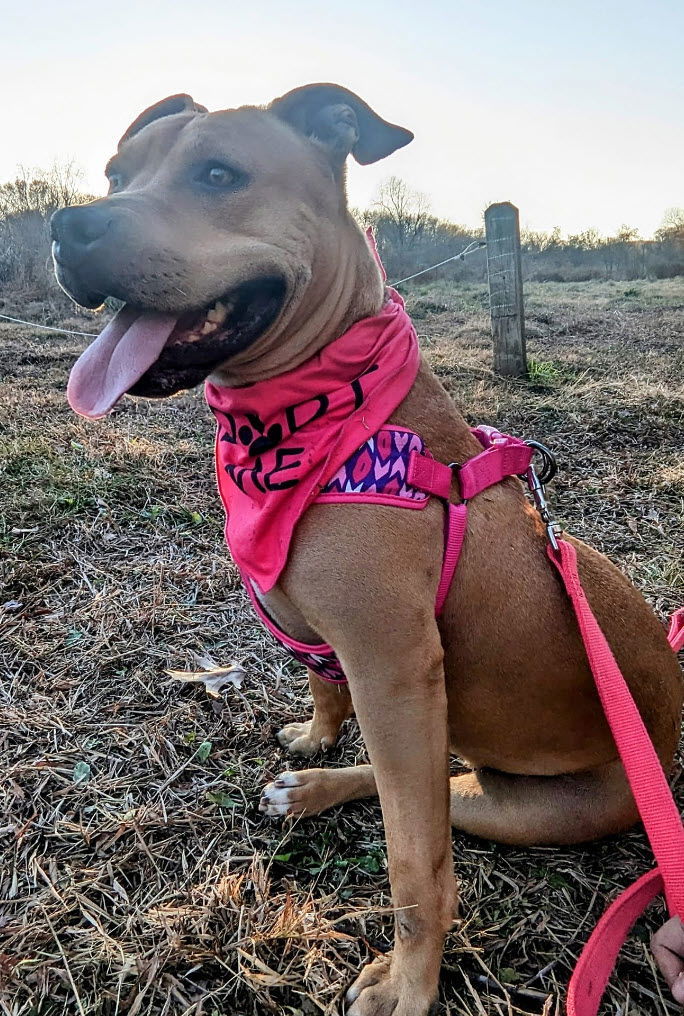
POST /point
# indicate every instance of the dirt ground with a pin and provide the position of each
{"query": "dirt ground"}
(136, 873)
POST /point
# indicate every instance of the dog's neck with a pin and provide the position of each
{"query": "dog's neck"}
(345, 286)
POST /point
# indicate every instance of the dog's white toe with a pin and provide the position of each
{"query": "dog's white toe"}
(279, 798)
(304, 793)
(299, 740)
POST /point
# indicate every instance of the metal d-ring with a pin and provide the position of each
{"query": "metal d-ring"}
(549, 465)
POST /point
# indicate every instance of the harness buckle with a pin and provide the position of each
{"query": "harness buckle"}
(534, 482)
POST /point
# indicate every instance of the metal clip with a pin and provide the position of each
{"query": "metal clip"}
(536, 486)
(549, 465)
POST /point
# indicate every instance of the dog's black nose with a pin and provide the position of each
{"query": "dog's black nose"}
(80, 225)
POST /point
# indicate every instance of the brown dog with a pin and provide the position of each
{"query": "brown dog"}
(249, 205)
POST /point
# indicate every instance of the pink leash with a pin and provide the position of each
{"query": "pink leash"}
(675, 635)
(651, 792)
(507, 456)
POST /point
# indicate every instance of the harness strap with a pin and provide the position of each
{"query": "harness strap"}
(456, 525)
(502, 456)
(651, 792)
(511, 458)
(426, 474)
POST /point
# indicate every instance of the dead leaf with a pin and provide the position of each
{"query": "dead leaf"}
(215, 679)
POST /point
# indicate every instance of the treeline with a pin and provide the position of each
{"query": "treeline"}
(26, 205)
(548, 257)
(409, 238)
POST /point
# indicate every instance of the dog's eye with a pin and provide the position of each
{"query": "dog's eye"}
(115, 182)
(219, 176)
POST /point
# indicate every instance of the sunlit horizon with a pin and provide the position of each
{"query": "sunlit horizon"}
(572, 114)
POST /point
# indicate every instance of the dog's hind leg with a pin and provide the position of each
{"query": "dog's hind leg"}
(311, 791)
(543, 810)
(332, 706)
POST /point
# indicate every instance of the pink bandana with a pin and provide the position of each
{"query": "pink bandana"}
(280, 441)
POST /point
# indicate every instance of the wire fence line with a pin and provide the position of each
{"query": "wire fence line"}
(47, 328)
(470, 249)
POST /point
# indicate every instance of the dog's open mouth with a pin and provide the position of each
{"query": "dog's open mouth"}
(154, 354)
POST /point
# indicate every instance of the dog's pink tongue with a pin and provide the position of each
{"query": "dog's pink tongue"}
(119, 356)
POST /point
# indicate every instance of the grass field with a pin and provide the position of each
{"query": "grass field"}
(136, 873)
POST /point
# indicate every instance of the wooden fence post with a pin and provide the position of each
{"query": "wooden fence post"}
(504, 271)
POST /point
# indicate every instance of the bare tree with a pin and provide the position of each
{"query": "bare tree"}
(26, 204)
(406, 211)
(627, 234)
(672, 227)
(588, 239)
(41, 191)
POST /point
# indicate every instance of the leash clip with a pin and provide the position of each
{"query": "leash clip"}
(549, 466)
(534, 482)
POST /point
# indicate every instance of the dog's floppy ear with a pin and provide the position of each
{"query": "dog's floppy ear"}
(165, 107)
(341, 122)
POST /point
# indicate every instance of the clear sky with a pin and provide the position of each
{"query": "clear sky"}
(572, 110)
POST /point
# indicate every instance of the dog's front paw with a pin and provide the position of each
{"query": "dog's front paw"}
(299, 794)
(380, 990)
(304, 739)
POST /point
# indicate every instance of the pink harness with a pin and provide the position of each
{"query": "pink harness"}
(394, 468)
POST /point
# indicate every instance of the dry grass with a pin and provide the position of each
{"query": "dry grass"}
(136, 874)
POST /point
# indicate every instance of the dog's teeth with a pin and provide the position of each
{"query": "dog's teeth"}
(218, 313)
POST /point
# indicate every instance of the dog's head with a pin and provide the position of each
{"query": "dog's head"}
(223, 233)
